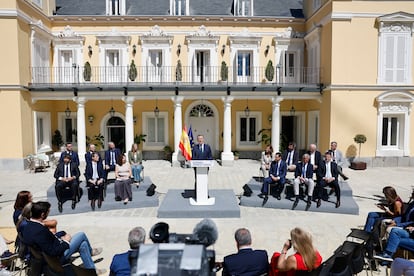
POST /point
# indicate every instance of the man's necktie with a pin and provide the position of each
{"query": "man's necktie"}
(277, 169)
(112, 158)
(288, 159)
(304, 171)
(202, 148)
(66, 171)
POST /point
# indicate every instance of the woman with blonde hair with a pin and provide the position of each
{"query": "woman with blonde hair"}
(306, 257)
(135, 160)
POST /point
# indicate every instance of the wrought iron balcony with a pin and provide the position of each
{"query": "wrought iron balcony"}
(171, 76)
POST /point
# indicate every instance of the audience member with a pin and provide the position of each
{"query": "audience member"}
(121, 263)
(398, 237)
(88, 154)
(267, 158)
(69, 151)
(306, 258)
(304, 175)
(277, 176)
(135, 160)
(4, 248)
(315, 157)
(36, 235)
(328, 176)
(338, 158)
(123, 175)
(406, 218)
(291, 157)
(392, 208)
(246, 261)
(67, 175)
(111, 157)
(402, 267)
(95, 178)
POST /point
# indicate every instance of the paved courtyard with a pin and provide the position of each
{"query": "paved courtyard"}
(269, 227)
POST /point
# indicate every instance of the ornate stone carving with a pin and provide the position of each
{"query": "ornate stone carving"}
(394, 107)
(202, 31)
(395, 27)
(156, 31)
(67, 32)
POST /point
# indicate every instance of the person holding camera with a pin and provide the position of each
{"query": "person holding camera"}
(306, 257)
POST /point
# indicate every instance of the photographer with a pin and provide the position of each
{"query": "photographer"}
(306, 258)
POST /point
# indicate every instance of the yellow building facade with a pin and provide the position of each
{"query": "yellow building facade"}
(327, 71)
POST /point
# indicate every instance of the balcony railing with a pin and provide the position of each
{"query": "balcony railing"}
(167, 75)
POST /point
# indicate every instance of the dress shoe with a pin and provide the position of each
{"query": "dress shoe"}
(338, 203)
(318, 203)
(308, 205)
(345, 177)
(99, 203)
(265, 200)
(60, 207)
(73, 204)
(93, 204)
(96, 251)
(295, 204)
(126, 201)
(261, 195)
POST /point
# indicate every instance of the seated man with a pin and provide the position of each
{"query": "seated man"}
(291, 157)
(88, 154)
(304, 175)
(95, 176)
(69, 151)
(38, 236)
(67, 175)
(246, 261)
(122, 263)
(328, 176)
(277, 175)
(398, 237)
(111, 155)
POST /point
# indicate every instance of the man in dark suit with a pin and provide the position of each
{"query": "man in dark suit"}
(67, 175)
(69, 151)
(291, 157)
(201, 151)
(38, 236)
(315, 157)
(111, 155)
(303, 175)
(246, 261)
(95, 178)
(277, 175)
(88, 154)
(125, 264)
(328, 176)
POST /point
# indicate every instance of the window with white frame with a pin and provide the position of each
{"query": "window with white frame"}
(243, 7)
(247, 129)
(314, 48)
(40, 58)
(67, 125)
(42, 131)
(179, 7)
(391, 130)
(115, 7)
(156, 129)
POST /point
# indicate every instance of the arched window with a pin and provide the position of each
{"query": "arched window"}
(201, 110)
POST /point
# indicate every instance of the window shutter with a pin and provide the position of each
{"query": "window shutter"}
(389, 54)
(401, 59)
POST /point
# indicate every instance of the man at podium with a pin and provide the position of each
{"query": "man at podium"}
(201, 151)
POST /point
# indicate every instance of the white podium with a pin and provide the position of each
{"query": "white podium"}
(201, 168)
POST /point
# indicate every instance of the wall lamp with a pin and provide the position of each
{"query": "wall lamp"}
(134, 119)
(90, 50)
(134, 49)
(223, 49)
(178, 49)
(91, 118)
(267, 50)
(67, 110)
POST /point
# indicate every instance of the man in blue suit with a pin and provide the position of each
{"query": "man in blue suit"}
(277, 176)
(201, 151)
(111, 156)
(69, 151)
(125, 264)
(67, 175)
(328, 176)
(246, 262)
(303, 175)
(95, 178)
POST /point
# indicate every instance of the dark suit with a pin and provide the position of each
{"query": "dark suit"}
(204, 154)
(299, 169)
(246, 262)
(295, 157)
(88, 157)
(95, 191)
(322, 183)
(279, 171)
(73, 155)
(318, 159)
(40, 238)
(108, 160)
(121, 263)
(60, 185)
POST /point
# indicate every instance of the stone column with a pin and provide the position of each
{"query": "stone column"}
(276, 123)
(129, 121)
(178, 128)
(227, 157)
(81, 128)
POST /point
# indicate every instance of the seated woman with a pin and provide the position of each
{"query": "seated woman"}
(306, 258)
(123, 175)
(267, 158)
(135, 160)
(392, 208)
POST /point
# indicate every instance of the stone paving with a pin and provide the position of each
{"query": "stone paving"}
(270, 227)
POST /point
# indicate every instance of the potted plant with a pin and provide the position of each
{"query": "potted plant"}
(224, 71)
(57, 140)
(139, 138)
(179, 71)
(168, 153)
(269, 71)
(132, 71)
(359, 165)
(87, 71)
(236, 155)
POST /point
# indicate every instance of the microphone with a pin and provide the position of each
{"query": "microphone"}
(205, 232)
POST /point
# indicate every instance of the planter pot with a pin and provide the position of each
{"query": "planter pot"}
(358, 165)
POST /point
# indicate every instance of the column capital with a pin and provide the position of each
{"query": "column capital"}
(79, 100)
(177, 99)
(227, 100)
(276, 100)
(128, 99)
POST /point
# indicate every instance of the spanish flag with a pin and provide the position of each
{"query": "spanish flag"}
(185, 145)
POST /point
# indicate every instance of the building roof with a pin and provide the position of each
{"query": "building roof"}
(273, 8)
